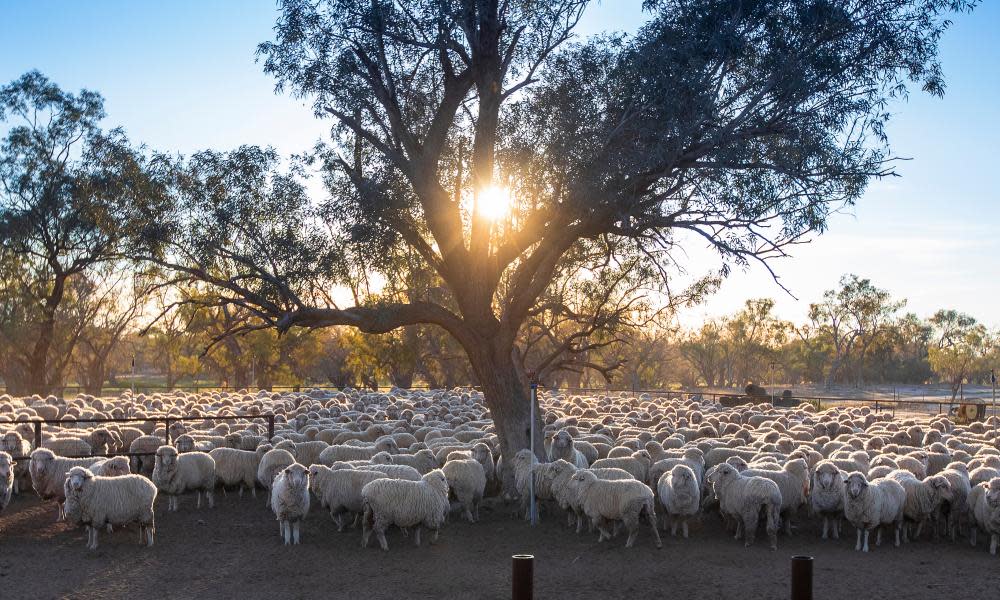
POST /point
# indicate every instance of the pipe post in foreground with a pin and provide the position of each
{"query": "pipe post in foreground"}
(533, 507)
(270, 428)
(522, 577)
(802, 578)
(38, 434)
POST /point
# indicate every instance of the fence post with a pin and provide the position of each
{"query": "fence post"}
(38, 434)
(166, 430)
(270, 428)
(522, 577)
(802, 578)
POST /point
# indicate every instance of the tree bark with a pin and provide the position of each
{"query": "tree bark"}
(507, 395)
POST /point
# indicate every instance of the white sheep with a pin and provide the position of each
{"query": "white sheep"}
(562, 448)
(290, 500)
(423, 460)
(6, 479)
(922, 498)
(680, 495)
(405, 504)
(626, 500)
(235, 467)
(98, 502)
(793, 482)
(637, 464)
(111, 467)
(48, 473)
(339, 491)
(869, 505)
(175, 474)
(273, 461)
(827, 496)
(467, 481)
(984, 512)
(743, 497)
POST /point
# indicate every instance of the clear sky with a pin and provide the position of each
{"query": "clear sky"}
(181, 76)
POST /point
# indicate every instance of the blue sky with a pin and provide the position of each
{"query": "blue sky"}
(181, 76)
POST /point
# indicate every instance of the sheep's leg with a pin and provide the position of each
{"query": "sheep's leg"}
(788, 524)
(972, 535)
(993, 543)
(366, 533)
(338, 520)
(211, 498)
(673, 525)
(897, 527)
(434, 538)
(749, 526)
(651, 517)
(825, 524)
(684, 528)
(865, 547)
(416, 536)
(920, 527)
(878, 536)
(198, 503)
(150, 530)
(253, 491)
(380, 533)
(468, 513)
(286, 530)
(857, 546)
(295, 531)
(96, 533)
(836, 528)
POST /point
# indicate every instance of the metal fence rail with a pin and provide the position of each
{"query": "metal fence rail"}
(37, 423)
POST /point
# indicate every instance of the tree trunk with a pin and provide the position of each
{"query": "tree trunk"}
(507, 395)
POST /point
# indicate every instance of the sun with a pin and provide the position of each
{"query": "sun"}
(494, 202)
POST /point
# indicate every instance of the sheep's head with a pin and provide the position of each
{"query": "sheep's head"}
(233, 440)
(6, 467)
(387, 445)
(737, 463)
(297, 476)
(827, 474)
(116, 467)
(481, 452)
(166, 457)
(723, 473)
(856, 485)
(941, 487)
(382, 458)
(76, 479)
(681, 476)
(184, 443)
(562, 439)
(437, 480)
(314, 471)
(41, 462)
(12, 443)
(583, 478)
(695, 454)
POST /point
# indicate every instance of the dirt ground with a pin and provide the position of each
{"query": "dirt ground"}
(234, 551)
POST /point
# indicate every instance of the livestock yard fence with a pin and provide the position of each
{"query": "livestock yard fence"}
(37, 424)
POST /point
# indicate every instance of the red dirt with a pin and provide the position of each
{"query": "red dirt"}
(234, 551)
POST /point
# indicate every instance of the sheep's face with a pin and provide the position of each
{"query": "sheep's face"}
(76, 478)
(724, 472)
(737, 463)
(166, 456)
(681, 477)
(941, 487)
(116, 468)
(41, 462)
(826, 475)
(297, 476)
(6, 468)
(856, 485)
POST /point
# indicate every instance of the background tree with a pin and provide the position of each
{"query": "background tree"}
(740, 125)
(960, 349)
(71, 196)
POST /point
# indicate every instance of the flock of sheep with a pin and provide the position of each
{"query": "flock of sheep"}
(402, 458)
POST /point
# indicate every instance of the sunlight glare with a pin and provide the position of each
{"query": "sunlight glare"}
(494, 202)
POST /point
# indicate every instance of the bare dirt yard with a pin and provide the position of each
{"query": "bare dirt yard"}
(234, 551)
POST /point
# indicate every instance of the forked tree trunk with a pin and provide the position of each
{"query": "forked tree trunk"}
(507, 395)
